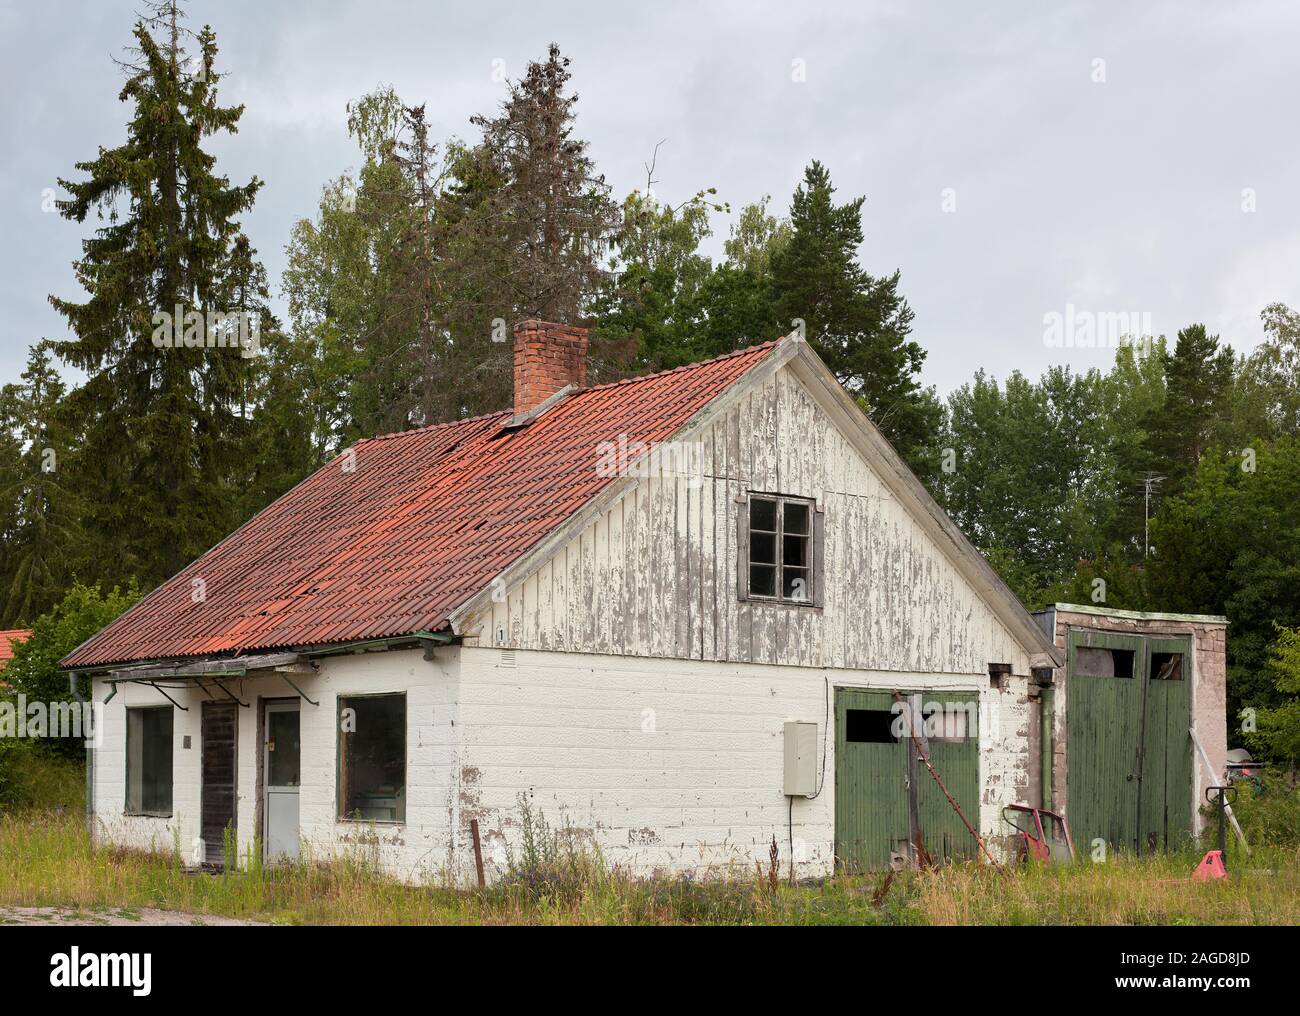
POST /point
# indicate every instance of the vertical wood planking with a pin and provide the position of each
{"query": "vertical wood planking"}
(656, 575)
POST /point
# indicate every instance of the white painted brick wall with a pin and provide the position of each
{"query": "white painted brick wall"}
(699, 792)
(417, 850)
(667, 765)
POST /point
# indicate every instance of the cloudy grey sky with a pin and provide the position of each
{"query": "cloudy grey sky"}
(1115, 196)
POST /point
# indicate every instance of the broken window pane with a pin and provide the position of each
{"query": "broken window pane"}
(1093, 661)
(1166, 666)
(149, 761)
(869, 726)
(372, 758)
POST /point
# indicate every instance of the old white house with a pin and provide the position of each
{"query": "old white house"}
(675, 614)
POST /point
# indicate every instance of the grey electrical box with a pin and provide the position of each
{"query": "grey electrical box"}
(800, 758)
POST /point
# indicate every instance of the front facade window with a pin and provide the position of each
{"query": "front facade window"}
(149, 761)
(372, 758)
(781, 550)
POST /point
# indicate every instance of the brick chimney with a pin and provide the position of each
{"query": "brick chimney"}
(547, 358)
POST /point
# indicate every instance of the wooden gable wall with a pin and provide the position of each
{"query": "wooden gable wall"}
(655, 575)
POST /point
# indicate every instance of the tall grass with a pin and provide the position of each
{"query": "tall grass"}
(46, 860)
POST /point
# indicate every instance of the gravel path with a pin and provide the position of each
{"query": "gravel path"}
(120, 916)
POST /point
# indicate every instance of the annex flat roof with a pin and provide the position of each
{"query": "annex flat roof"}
(1134, 615)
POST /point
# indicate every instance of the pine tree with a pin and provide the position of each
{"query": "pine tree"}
(162, 396)
(857, 323)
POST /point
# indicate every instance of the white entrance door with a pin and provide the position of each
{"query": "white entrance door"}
(282, 772)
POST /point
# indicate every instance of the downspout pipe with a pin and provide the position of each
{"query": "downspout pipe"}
(1047, 702)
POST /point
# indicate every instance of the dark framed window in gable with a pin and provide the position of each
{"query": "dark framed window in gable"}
(780, 549)
(372, 758)
(149, 761)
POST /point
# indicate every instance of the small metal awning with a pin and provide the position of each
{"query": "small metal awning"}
(209, 674)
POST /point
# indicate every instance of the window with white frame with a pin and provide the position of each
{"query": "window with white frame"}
(149, 761)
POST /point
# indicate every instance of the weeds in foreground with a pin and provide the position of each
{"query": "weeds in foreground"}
(46, 860)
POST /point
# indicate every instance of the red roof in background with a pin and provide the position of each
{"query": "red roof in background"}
(7, 640)
(427, 520)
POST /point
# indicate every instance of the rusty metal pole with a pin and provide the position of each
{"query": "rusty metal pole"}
(478, 852)
(979, 840)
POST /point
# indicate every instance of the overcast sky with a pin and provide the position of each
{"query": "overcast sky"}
(1099, 156)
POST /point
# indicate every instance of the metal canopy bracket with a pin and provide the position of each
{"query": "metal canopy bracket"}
(232, 695)
(302, 695)
(205, 673)
(154, 685)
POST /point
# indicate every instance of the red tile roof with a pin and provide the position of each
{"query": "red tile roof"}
(7, 640)
(427, 519)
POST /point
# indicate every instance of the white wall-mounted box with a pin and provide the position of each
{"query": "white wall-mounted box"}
(800, 758)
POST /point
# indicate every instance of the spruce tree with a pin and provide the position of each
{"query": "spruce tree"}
(160, 406)
(1198, 385)
(43, 542)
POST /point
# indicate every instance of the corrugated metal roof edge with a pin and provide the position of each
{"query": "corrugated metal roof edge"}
(444, 635)
(157, 590)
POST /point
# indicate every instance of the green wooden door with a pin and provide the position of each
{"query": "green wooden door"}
(870, 780)
(953, 744)
(1166, 813)
(1127, 742)
(871, 794)
(1103, 721)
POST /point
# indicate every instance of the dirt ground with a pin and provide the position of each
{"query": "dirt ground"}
(120, 916)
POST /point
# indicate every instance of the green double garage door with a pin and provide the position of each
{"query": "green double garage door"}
(1129, 749)
(873, 793)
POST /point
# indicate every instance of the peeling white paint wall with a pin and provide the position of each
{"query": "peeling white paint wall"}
(676, 766)
(416, 850)
(655, 575)
(666, 765)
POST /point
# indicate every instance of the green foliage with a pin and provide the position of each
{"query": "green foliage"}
(46, 860)
(857, 323)
(1278, 728)
(34, 669)
(659, 284)
(1268, 813)
(1230, 544)
(31, 778)
(1198, 380)
(160, 430)
(43, 537)
(1043, 475)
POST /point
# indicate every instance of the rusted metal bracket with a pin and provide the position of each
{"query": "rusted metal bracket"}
(301, 694)
(154, 685)
(234, 698)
